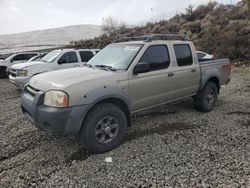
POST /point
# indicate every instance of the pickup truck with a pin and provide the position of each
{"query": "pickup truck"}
(20, 74)
(14, 59)
(133, 74)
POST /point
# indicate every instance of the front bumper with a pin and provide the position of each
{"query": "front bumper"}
(18, 81)
(60, 121)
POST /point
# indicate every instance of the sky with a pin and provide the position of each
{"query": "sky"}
(28, 15)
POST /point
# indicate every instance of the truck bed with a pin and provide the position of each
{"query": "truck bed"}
(219, 68)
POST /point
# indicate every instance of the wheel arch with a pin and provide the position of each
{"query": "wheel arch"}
(213, 79)
(118, 101)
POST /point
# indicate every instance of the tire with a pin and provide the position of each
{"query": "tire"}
(3, 73)
(206, 99)
(104, 128)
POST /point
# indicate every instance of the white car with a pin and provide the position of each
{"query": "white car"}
(202, 56)
(14, 59)
(20, 74)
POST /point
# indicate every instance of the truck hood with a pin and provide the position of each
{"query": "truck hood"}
(21, 66)
(66, 78)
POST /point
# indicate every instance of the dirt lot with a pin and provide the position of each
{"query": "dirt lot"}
(172, 146)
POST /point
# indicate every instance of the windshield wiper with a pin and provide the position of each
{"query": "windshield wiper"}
(107, 67)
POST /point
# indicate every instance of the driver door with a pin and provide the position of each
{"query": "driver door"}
(68, 60)
(18, 59)
(156, 86)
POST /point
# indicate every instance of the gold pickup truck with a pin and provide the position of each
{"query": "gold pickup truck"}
(132, 74)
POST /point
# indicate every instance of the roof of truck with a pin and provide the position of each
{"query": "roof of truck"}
(151, 38)
(70, 49)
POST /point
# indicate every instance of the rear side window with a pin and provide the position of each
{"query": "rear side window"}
(86, 55)
(28, 56)
(183, 55)
(157, 57)
(69, 57)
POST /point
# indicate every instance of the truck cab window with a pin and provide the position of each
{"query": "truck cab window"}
(28, 56)
(19, 57)
(183, 55)
(157, 57)
(86, 55)
(69, 57)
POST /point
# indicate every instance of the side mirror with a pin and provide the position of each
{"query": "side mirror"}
(141, 67)
(61, 61)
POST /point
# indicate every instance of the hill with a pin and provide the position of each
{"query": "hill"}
(49, 38)
(223, 30)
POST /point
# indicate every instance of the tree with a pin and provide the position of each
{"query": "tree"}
(189, 13)
(248, 4)
(109, 25)
(122, 27)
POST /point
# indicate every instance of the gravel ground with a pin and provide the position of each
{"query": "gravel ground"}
(170, 146)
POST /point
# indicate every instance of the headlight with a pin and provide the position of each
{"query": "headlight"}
(22, 73)
(58, 99)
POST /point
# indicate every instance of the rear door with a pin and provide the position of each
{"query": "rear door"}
(86, 56)
(187, 72)
(156, 86)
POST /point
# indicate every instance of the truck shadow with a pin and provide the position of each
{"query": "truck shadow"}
(162, 129)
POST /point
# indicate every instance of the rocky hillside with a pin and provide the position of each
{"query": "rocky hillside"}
(222, 30)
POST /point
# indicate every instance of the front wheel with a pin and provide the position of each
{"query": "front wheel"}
(205, 100)
(104, 128)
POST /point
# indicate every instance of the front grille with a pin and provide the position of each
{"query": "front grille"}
(30, 93)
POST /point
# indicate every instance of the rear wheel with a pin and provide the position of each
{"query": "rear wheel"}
(205, 100)
(3, 73)
(104, 128)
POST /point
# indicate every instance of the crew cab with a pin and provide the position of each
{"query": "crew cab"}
(133, 74)
(20, 74)
(14, 59)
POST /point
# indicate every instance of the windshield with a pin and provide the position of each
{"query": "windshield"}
(50, 57)
(10, 57)
(117, 56)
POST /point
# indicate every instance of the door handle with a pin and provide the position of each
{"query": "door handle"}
(193, 70)
(170, 74)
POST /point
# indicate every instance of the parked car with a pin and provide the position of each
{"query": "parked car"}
(96, 101)
(20, 74)
(202, 56)
(38, 57)
(14, 59)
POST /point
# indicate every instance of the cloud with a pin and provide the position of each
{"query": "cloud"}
(15, 9)
(26, 15)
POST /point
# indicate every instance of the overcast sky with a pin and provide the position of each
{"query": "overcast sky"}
(27, 15)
